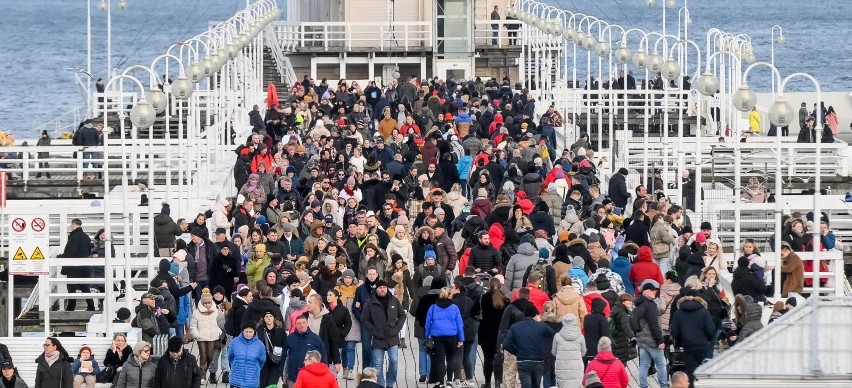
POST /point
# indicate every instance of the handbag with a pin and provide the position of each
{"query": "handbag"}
(274, 352)
(661, 248)
(429, 345)
(107, 375)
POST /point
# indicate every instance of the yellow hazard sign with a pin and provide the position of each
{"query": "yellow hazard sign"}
(37, 255)
(20, 255)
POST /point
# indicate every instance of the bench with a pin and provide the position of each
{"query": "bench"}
(25, 350)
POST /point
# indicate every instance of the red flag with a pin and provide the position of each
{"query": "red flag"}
(271, 96)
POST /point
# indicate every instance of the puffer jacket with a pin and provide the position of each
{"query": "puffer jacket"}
(752, 321)
(206, 324)
(132, 371)
(569, 347)
(691, 325)
(621, 265)
(57, 375)
(554, 204)
(246, 358)
(444, 319)
(610, 370)
(645, 268)
(646, 315)
(623, 334)
(660, 236)
(518, 265)
(570, 302)
(668, 292)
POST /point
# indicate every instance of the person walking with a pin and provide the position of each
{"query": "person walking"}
(271, 333)
(177, 368)
(53, 368)
(384, 316)
(569, 348)
(527, 340)
(445, 329)
(342, 320)
(347, 286)
(692, 328)
(610, 370)
(493, 304)
(298, 344)
(138, 371)
(646, 318)
(206, 328)
(79, 245)
(315, 374)
(323, 324)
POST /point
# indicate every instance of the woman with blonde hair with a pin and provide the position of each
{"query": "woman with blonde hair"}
(400, 243)
(456, 199)
(714, 257)
(717, 301)
(444, 326)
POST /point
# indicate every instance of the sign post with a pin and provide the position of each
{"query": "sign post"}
(28, 242)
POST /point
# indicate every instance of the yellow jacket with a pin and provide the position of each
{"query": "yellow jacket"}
(754, 121)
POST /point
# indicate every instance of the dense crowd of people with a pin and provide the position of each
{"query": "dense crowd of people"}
(441, 213)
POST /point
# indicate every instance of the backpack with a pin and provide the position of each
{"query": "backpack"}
(577, 284)
(475, 290)
(540, 270)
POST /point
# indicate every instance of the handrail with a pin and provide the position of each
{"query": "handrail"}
(282, 62)
(65, 122)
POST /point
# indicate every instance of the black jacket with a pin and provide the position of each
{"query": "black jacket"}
(79, 245)
(637, 233)
(234, 319)
(181, 373)
(164, 276)
(259, 306)
(645, 322)
(57, 375)
(595, 326)
(618, 190)
(469, 313)
(746, 283)
(329, 337)
(490, 315)
(342, 322)
(621, 346)
(384, 325)
(485, 258)
(223, 270)
(691, 325)
(165, 230)
(513, 314)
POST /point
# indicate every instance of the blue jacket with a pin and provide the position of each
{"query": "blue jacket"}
(444, 319)
(528, 340)
(621, 265)
(577, 272)
(295, 246)
(246, 358)
(298, 345)
(75, 367)
(463, 166)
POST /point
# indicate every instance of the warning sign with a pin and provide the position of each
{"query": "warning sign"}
(37, 255)
(29, 240)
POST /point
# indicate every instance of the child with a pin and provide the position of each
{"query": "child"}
(85, 368)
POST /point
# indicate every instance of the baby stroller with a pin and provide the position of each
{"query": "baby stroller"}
(674, 357)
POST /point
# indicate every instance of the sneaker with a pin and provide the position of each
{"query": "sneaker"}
(422, 379)
(203, 382)
(348, 374)
(226, 377)
(212, 378)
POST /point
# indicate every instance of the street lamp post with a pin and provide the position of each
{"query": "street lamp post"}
(780, 40)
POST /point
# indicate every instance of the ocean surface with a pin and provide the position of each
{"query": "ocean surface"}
(43, 41)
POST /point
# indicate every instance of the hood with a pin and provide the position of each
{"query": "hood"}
(753, 312)
(598, 305)
(670, 289)
(261, 305)
(526, 249)
(569, 331)
(444, 303)
(567, 295)
(317, 369)
(397, 243)
(645, 255)
(453, 195)
(576, 243)
(322, 312)
(297, 304)
(269, 270)
(203, 310)
(165, 265)
(691, 303)
(162, 219)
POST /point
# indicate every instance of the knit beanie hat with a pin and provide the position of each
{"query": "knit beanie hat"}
(206, 297)
(348, 272)
(175, 344)
(140, 346)
(578, 261)
(429, 254)
(543, 253)
(592, 380)
(329, 259)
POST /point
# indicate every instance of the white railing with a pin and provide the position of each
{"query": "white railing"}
(66, 122)
(282, 62)
(483, 33)
(398, 36)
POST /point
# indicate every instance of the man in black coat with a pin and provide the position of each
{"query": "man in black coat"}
(383, 317)
(746, 283)
(484, 257)
(618, 188)
(637, 232)
(203, 250)
(262, 303)
(79, 245)
(177, 368)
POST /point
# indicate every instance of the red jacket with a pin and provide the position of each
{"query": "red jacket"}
(537, 297)
(316, 375)
(609, 369)
(588, 298)
(261, 158)
(524, 202)
(497, 235)
(644, 268)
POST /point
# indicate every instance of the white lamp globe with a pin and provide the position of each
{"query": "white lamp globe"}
(568, 33)
(671, 70)
(195, 72)
(640, 59)
(655, 62)
(579, 37)
(749, 57)
(182, 88)
(781, 39)
(707, 84)
(511, 12)
(232, 49)
(671, 3)
(209, 66)
(158, 99)
(622, 55)
(602, 49)
(590, 42)
(744, 99)
(781, 113)
(142, 115)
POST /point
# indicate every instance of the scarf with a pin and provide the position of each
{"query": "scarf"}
(347, 292)
(51, 357)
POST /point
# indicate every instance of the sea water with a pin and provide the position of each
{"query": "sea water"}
(42, 42)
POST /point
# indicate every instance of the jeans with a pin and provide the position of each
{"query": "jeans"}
(223, 354)
(425, 364)
(379, 363)
(469, 358)
(549, 378)
(495, 34)
(530, 373)
(88, 155)
(366, 348)
(347, 355)
(646, 355)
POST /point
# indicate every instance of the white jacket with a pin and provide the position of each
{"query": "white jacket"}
(206, 324)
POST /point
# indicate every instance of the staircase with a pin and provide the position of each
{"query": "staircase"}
(271, 75)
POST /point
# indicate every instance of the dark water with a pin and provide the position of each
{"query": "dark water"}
(42, 41)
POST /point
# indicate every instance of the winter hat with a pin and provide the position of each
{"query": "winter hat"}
(427, 281)
(196, 231)
(560, 253)
(706, 226)
(530, 311)
(543, 253)
(166, 209)
(429, 254)
(581, 151)
(220, 290)
(350, 181)
(645, 253)
(603, 263)
(402, 220)
(700, 238)
(482, 193)
(329, 259)
(175, 344)
(791, 301)
(180, 255)
(564, 235)
(381, 283)
(649, 284)
(551, 187)
(123, 314)
(348, 272)
(592, 380)
(140, 346)
(622, 171)
(686, 229)
(260, 247)
(206, 297)
(578, 261)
